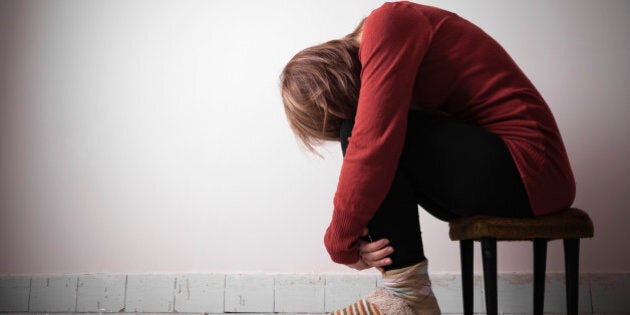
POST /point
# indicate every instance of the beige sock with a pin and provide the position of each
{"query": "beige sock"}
(361, 307)
(377, 302)
(405, 291)
(412, 285)
(387, 304)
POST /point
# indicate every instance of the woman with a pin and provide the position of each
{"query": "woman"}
(429, 110)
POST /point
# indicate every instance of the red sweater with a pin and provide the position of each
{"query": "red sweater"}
(420, 57)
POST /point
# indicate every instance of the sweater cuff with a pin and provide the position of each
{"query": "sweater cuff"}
(342, 250)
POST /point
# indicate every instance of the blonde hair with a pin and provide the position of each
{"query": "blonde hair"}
(320, 88)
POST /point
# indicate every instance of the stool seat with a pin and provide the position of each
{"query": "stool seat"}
(570, 223)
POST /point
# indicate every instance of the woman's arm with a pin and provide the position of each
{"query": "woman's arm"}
(394, 41)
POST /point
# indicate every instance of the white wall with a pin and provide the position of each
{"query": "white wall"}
(149, 136)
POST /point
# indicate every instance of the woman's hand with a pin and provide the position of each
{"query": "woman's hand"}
(373, 254)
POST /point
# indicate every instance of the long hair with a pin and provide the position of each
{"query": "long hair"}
(320, 88)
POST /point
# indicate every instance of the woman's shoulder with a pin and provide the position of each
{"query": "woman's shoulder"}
(401, 11)
(408, 7)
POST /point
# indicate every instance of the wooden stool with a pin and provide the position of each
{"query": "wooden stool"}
(569, 225)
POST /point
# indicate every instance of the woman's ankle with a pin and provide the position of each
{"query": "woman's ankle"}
(412, 285)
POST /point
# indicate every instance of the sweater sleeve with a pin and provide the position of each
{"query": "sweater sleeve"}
(395, 39)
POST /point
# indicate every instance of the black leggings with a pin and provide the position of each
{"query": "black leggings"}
(450, 169)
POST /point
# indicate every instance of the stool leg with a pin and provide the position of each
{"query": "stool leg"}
(489, 258)
(571, 266)
(466, 256)
(540, 265)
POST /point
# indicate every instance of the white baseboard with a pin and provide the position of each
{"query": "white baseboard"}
(284, 293)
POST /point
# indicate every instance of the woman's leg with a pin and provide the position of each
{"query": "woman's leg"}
(397, 218)
(406, 286)
(451, 169)
(459, 169)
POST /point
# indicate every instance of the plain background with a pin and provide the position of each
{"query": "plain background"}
(149, 136)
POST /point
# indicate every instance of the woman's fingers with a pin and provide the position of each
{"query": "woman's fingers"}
(379, 257)
(375, 254)
(379, 263)
(368, 247)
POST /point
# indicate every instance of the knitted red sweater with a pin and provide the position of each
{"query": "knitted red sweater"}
(416, 56)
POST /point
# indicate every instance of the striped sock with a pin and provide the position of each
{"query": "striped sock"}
(361, 307)
(412, 285)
